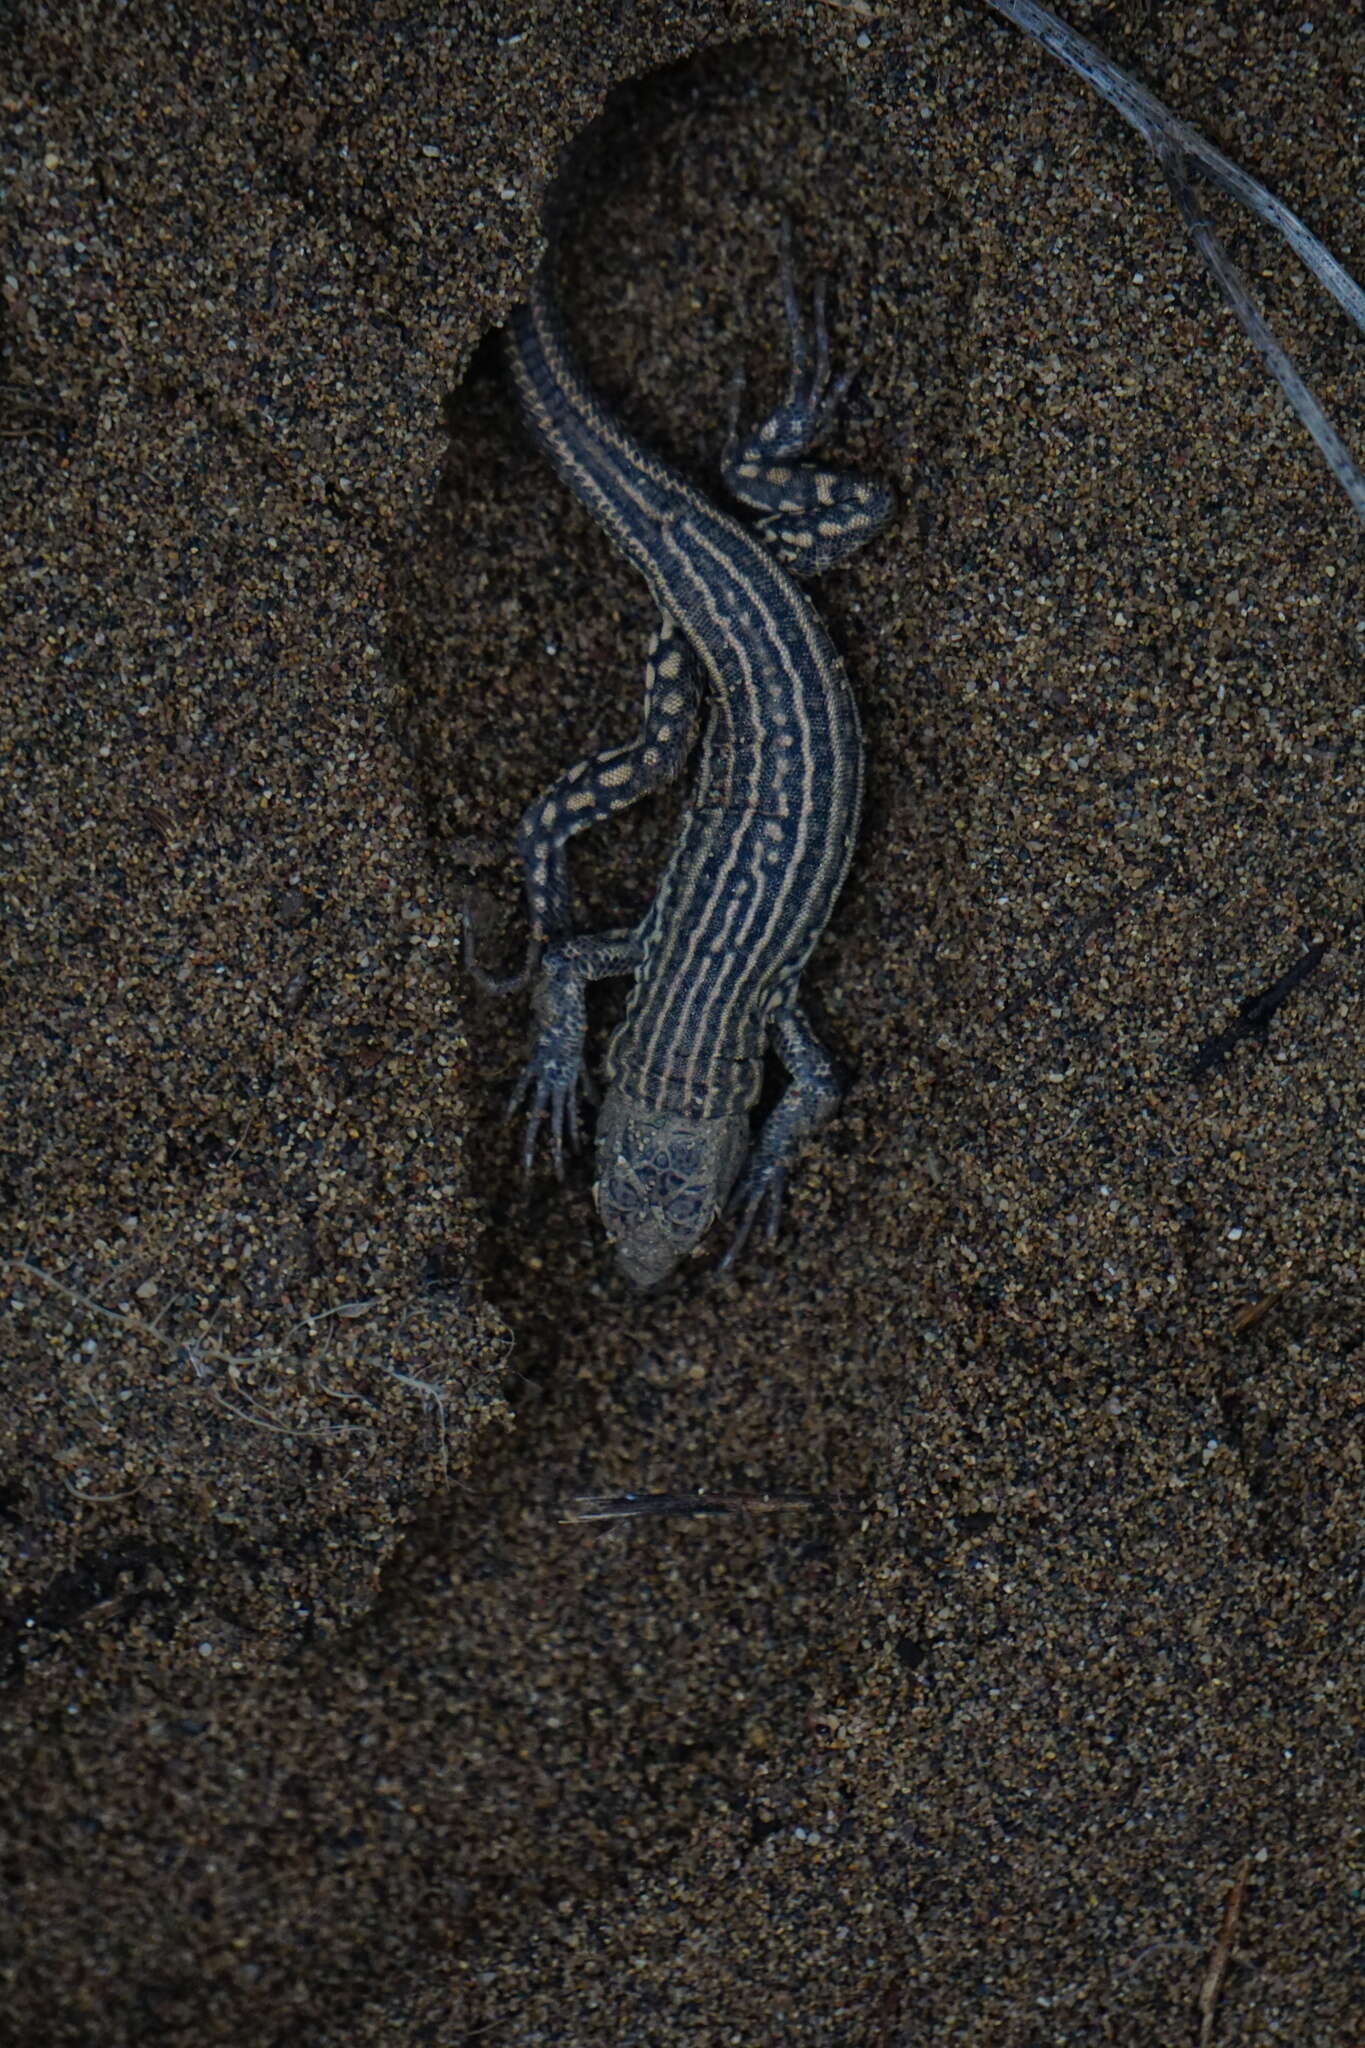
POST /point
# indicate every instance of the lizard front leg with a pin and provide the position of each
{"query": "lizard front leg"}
(554, 1080)
(815, 1093)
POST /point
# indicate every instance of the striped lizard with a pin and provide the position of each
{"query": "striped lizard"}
(769, 832)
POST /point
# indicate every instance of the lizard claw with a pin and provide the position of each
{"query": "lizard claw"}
(818, 379)
(555, 1099)
(736, 399)
(755, 1193)
(582, 1095)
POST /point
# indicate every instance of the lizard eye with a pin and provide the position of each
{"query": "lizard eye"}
(685, 1209)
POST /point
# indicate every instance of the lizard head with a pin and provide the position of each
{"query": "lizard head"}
(662, 1180)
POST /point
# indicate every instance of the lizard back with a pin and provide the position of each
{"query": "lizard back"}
(771, 827)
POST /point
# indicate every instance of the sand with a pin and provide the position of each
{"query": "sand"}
(324, 1721)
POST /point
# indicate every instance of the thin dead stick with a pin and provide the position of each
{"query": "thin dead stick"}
(1256, 1311)
(1233, 287)
(1156, 123)
(1222, 1952)
(1178, 148)
(605, 1507)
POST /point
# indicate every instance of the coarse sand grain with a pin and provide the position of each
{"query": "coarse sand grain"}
(324, 1720)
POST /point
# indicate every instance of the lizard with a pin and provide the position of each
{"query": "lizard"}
(768, 834)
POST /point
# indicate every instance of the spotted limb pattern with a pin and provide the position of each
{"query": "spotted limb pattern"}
(767, 837)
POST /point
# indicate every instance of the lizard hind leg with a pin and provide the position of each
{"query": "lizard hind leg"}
(812, 514)
(606, 782)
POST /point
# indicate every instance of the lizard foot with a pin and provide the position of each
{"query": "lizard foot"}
(760, 1189)
(812, 515)
(556, 1088)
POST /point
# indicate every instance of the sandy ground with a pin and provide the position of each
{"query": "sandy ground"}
(322, 1724)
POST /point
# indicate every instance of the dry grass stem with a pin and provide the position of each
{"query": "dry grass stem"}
(1256, 1311)
(1179, 148)
(204, 1357)
(1222, 1952)
(604, 1507)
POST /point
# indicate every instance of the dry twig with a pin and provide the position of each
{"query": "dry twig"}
(1180, 149)
(1222, 1952)
(605, 1507)
(1256, 1311)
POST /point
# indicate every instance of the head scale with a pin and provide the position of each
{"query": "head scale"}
(662, 1180)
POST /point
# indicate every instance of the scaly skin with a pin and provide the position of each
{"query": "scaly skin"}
(770, 830)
